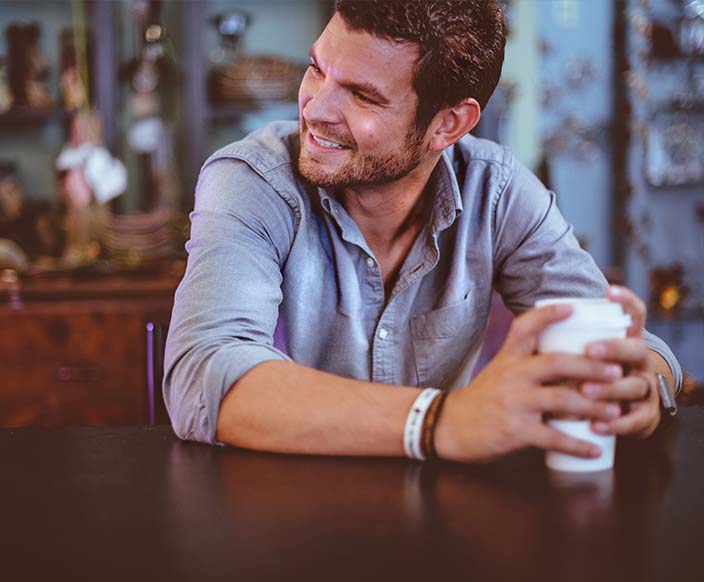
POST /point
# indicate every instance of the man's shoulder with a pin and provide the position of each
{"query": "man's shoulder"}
(471, 148)
(263, 161)
(482, 168)
(498, 161)
(265, 149)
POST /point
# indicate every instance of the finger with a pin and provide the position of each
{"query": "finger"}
(567, 401)
(641, 420)
(632, 304)
(552, 439)
(632, 351)
(635, 387)
(544, 368)
(523, 336)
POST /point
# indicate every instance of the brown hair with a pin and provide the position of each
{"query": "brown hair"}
(461, 45)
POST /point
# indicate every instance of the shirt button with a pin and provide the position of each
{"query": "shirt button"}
(383, 333)
(370, 262)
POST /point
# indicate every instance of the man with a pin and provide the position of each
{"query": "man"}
(370, 236)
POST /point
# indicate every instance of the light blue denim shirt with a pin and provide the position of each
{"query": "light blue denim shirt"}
(277, 270)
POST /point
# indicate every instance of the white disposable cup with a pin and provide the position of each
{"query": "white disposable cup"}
(591, 320)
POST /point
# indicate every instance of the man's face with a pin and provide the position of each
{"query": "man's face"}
(357, 110)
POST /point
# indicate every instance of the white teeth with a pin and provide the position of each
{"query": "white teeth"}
(327, 144)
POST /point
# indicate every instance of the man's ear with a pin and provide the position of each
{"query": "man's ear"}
(452, 123)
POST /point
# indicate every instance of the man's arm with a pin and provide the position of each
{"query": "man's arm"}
(227, 305)
(538, 256)
(288, 408)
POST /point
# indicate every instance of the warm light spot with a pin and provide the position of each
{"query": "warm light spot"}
(669, 297)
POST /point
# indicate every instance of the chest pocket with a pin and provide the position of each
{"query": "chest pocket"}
(445, 339)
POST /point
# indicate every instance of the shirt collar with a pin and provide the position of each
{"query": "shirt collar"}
(448, 198)
(327, 201)
(447, 205)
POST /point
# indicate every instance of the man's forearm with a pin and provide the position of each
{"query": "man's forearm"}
(288, 408)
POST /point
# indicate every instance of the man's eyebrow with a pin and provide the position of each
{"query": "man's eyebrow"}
(368, 89)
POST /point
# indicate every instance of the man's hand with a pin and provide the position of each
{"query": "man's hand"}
(502, 409)
(637, 390)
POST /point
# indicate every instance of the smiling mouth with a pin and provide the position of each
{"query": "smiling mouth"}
(327, 143)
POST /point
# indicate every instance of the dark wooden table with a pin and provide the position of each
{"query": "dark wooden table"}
(138, 504)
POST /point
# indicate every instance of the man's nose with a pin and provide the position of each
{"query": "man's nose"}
(323, 105)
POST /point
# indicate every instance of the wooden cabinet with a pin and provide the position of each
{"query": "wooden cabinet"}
(83, 353)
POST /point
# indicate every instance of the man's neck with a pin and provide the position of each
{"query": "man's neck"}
(390, 213)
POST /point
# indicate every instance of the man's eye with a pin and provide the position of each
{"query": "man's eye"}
(313, 67)
(363, 98)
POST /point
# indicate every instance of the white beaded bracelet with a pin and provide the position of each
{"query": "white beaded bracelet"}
(414, 423)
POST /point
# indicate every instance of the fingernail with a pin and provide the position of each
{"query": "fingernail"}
(613, 371)
(562, 309)
(616, 291)
(613, 410)
(600, 427)
(595, 451)
(596, 351)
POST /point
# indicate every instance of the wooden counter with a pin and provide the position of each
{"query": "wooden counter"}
(83, 352)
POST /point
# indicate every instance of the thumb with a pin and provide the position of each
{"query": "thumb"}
(522, 339)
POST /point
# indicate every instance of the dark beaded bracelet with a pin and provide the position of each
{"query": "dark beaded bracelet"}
(429, 423)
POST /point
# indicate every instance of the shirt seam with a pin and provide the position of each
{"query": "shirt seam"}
(507, 173)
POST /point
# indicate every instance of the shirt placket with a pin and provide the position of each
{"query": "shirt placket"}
(387, 358)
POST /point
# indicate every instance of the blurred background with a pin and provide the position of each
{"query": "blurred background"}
(109, 108)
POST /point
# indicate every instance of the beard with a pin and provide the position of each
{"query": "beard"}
(361, 169)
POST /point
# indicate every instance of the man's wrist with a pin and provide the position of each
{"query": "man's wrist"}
(414, 429)
(446, 445)
(661, 366)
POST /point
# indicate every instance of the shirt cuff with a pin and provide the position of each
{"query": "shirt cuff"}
(660, 347)
(225, 368)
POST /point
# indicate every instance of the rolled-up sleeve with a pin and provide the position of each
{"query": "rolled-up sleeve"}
(226, 307)
(538, 256)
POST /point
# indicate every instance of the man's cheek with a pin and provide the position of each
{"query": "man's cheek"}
(369, 134)
(304, 95)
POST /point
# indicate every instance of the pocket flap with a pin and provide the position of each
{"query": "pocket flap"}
(449, 321)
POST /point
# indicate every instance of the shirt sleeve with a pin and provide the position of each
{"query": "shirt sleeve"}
(226, 307)
(538, 256)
